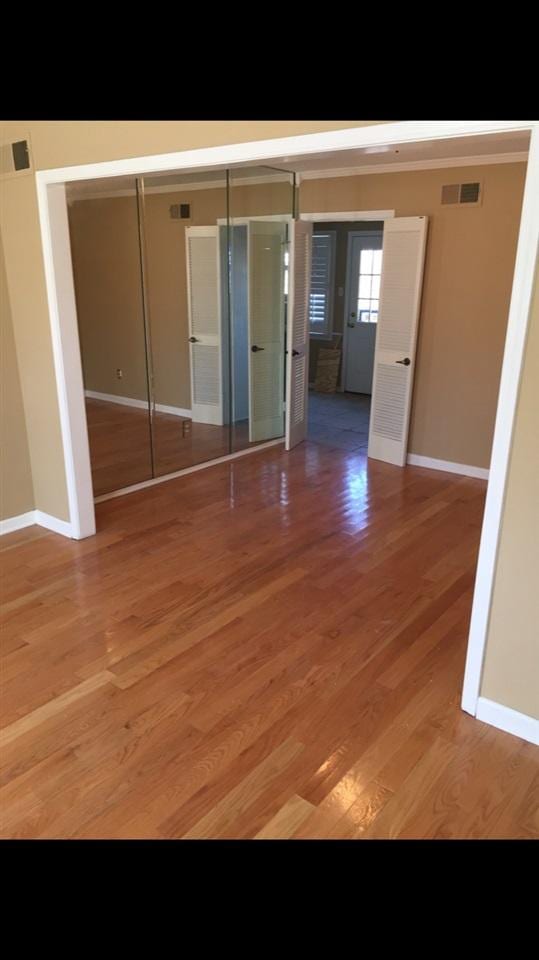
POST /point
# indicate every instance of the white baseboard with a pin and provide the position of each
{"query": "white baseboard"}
(519, 724)
(35, 517)
(415, 460)
(53, 523)
(175, 411)
(17, 523)
(140, 404)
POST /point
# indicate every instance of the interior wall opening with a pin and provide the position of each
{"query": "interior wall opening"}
(345, 297)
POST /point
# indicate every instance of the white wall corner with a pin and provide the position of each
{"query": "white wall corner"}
(11, 524)
(62, 527)
(33, 517)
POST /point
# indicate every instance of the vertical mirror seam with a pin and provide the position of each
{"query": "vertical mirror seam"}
(145, 312)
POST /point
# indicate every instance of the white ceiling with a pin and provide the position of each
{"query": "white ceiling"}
(367, 159)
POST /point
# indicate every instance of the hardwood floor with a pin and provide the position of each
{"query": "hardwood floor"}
(120, 444)
(272, 648)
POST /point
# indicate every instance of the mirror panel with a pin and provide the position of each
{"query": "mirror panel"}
(186, 292)
(104, 232)
(181, 289)
(261, 205)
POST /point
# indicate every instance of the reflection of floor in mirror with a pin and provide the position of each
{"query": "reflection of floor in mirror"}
(120, 444)
(340, 420)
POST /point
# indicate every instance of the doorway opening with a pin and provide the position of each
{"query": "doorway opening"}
(345, 295)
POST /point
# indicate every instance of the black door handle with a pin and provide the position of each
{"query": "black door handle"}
(295, 353)
(255, 349)
(193, 340)
(406, 361)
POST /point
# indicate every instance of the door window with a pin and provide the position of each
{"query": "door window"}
(368, 293)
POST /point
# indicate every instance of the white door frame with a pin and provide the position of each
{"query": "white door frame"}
(351, 235)
(54, 228)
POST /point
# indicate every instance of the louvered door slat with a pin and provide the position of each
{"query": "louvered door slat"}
(400, 294)
(205, 333)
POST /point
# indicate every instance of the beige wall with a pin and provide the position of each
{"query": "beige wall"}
(61, 143)
(28, 299)
(467, 286)
(511, 670)
(16, 491)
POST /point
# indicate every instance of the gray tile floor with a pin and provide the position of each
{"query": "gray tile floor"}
(340, 420)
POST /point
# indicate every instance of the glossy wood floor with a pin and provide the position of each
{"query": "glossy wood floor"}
(272, 648)
(120, 445)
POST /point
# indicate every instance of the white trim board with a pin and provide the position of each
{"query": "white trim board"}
(504, 718)
(261, 151)
(183, 473)
(60, 286)
(517, 328)
(63, 317)
(32, 518)
(415, 460)
(184, 188)
(345, 215)
(335, 173)
(244, 221)
(140, 404)
(11, 524)
(438, 164)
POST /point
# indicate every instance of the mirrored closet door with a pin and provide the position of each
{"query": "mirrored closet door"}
(181, 286)
(185, 274)
(261, 207)
(105, 235)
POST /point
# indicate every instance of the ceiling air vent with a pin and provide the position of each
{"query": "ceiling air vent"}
(180, 211)
(460, 193)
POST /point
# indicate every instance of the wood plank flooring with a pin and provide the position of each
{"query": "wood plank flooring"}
(272, 648)
(120, 444)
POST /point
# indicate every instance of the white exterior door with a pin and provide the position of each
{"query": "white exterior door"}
(297, 369)
(266, 326)
(205, 324)
(362, 301)
(394, 358)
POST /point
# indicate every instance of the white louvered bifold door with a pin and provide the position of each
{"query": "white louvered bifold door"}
(266, 306)
(297, 375)
(394, 356)
(205, 324)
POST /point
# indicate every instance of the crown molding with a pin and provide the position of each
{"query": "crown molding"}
(183, 188)
(333, 174)
(404, 165)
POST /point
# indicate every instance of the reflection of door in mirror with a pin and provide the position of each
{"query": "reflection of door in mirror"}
(205, 325)
(261, 207)
(266, 313)
(238, 340)
(182, 213)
